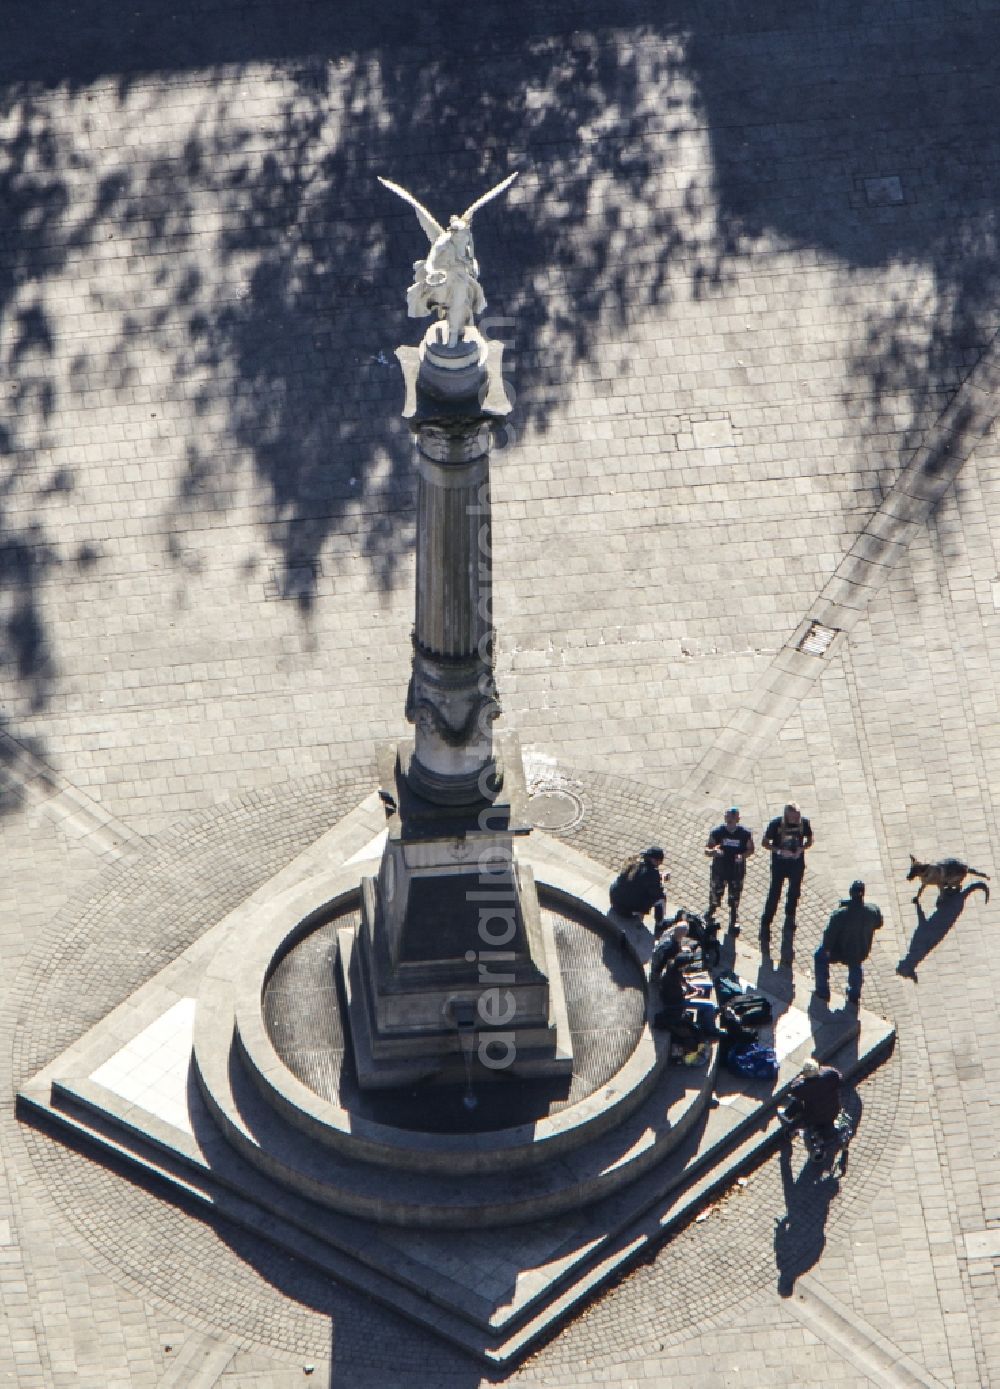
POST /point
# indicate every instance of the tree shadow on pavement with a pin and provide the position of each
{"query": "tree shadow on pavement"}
(659, 155)
(931, 930)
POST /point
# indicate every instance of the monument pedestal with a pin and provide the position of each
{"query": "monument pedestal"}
(453, 970)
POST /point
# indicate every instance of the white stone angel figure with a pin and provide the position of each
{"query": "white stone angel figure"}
(447, 282)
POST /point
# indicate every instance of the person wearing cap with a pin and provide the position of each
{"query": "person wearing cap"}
(814, 1098)
(788, 836)
(729, 846)
(847, 940)
(639, 886)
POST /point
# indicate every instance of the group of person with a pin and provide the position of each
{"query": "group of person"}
(640, 888)
(686, 1007)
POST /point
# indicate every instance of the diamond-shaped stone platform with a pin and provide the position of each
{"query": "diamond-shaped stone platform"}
(250, 1142)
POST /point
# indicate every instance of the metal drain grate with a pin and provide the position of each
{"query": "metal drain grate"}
(817, 640)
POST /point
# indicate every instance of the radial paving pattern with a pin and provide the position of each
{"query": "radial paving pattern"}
(231, 1284)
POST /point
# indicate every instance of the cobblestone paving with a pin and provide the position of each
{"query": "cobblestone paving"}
(747, 273)
(151, 907)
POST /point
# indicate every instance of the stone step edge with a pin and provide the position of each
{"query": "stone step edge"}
(214, 1200)
(648, 1232)
(589, 1173)
(181, 1166)
(680, 1205)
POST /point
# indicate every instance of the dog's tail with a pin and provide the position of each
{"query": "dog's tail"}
(976, 873)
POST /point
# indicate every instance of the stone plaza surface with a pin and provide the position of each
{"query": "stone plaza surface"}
(748, 279)
(489, 1251)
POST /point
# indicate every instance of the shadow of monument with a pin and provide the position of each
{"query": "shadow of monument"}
(931, 930)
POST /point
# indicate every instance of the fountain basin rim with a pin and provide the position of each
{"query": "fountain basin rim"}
(230, 1013)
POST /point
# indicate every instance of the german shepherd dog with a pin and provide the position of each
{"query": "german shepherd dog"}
(948, 875)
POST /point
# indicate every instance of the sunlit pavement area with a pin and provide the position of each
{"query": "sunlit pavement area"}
(747, 550)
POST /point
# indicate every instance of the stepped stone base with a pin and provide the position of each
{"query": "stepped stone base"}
(451, 968)
(591, 1185)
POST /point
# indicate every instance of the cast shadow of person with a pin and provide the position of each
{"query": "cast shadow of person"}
(931, 930)
(800, 1234)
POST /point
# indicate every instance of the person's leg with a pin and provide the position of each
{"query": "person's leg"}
(795, 870)
(704, 1014)
(735, 893)
(822, 963)
(716, 887)
(855, 978)
(773, 893)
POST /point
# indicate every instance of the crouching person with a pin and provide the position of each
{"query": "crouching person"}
(684, 1010)
(814, 1099)
(638, 888)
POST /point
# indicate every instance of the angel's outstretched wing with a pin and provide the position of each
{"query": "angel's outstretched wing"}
(469, 212)
(432, 228)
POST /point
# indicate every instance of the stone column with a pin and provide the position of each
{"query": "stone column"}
(451, 898)
(452, 698)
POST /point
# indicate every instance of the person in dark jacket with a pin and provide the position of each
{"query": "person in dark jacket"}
(639, 886)
(670, 942)
(788, 836)
(847, 940)
(814, 1098)
(729, 846)
(683, 1003)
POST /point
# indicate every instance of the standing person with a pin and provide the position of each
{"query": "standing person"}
(847, 940)
(639, 886)
(788, 836)
(729, 846)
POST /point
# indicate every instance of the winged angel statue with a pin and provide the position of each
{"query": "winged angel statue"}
(447, 282)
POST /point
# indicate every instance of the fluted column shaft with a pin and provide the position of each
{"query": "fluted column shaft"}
(454, 554)
(452, 697)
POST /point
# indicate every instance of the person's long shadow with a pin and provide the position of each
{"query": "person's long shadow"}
(931, 930)
(800, 1234)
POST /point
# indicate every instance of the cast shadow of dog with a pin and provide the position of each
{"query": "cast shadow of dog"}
(931, 930)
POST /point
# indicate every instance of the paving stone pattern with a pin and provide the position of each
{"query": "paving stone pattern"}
(749, 282)
(156, 904)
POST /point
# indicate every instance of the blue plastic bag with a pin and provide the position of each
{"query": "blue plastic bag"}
(755, 1061)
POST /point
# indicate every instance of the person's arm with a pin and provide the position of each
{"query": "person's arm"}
(829, 940)
(750, 849)
(768, 840)
(711, 847)
(807, 837)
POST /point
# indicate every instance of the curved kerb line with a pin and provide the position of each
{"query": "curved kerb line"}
(861, 574)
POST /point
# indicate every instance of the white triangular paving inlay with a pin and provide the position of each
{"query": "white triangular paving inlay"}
(152, 1069)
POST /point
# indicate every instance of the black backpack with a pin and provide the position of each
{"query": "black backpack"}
(750, 1010)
